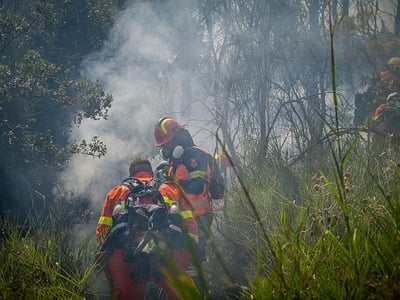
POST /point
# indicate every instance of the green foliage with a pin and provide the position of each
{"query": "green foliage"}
(340, 242)
(42, 93)
(39, 91)
(40, 262)
(89, 148)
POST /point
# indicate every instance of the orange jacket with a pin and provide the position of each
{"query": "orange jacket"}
(172, 193)
(116, 195)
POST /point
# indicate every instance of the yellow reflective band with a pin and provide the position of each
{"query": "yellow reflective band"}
(105, 220)
(195, 237)
(197, 174)
(162, 125)
(186, 214)
(168, 200)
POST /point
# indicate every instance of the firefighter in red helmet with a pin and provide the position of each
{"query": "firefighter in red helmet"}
(165, 131)
(389, 80)
(191, 169)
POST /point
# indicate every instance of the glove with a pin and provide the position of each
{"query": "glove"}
(155, 266)
(167, 177)
(175, 219)
(164, 171)
(163, 165)
(141, 268)
(174, 237)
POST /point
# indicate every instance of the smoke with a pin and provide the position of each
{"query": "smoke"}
(147, 64)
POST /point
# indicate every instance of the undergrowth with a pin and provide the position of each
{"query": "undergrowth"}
(339, 248)
(39, 260)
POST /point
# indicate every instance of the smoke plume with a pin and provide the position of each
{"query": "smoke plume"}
(147, 65)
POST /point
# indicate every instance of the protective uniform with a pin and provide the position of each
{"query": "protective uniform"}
(389, 80)
(172, 194)
(123, 276)
(387, 117)
(190, 169)
(116, 270)
(117, 195)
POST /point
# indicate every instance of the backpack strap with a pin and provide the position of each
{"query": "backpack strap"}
(133, 183)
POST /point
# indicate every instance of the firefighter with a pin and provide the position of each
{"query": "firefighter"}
(387, 117)
(134, 264)
(183, 257)
(116, 270)
(190, 169)
(389, 80)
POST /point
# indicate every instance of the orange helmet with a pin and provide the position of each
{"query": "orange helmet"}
(165, 130)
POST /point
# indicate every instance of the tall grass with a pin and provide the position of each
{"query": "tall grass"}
(340, 241)
(40, 261)
(321, 259)
(337, 238)
(334, 234)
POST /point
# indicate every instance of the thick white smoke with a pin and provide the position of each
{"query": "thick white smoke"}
(147, 65)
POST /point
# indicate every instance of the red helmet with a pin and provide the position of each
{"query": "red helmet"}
(165, 130)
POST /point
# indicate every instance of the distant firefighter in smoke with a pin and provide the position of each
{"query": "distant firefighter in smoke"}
(386, 119)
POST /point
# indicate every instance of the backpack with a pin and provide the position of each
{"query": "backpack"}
(142, 193)
(142, 201)
(216, 185)
(146, 214)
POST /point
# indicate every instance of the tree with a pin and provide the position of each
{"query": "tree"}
(256, 72)
(271, 71)
(41, 92)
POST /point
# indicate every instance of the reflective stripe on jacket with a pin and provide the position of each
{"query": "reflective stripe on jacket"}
(171, 193)
(195, 166)
(116, 195)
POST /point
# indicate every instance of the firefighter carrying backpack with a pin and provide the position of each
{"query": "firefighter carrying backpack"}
(132, 219)
(145, 212)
